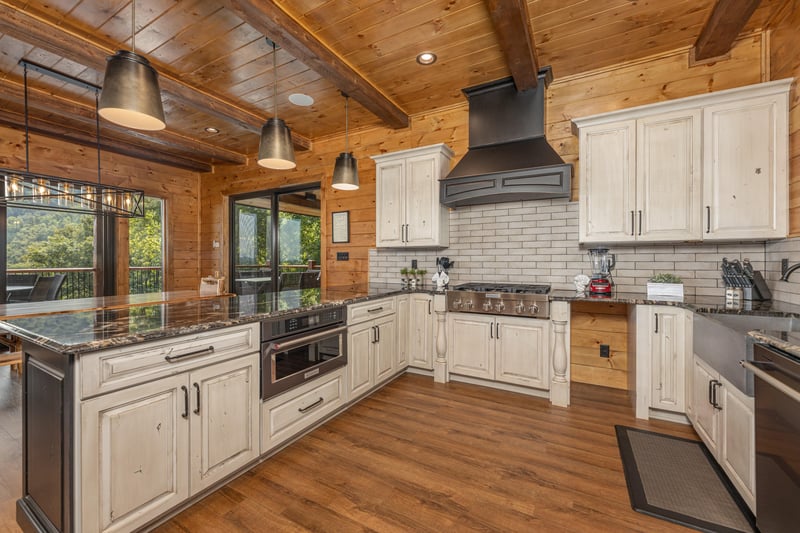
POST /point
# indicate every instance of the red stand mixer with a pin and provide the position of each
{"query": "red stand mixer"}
(602, 262)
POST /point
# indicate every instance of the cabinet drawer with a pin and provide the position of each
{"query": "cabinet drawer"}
(110, 370)
(290, 413)
(369, 310)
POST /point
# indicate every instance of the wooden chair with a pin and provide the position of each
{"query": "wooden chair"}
(14, 357)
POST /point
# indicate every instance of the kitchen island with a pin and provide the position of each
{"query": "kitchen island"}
(101, 382)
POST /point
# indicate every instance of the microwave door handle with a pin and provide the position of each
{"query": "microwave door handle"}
(278, 346)
(771, 380)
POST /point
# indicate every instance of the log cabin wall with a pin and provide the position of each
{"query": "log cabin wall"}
(178, 188)
(663, 77)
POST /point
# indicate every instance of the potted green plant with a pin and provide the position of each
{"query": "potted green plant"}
(404, 277)
(422, 273)
(412, 275)
(665, 286)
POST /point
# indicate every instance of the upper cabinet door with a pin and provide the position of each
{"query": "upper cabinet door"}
(422, 200)
(607, 182)
(746, 153)
(668, 177)
(390, 203)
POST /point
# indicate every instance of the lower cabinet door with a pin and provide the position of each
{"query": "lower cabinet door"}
(134, 454)
(385, 348)
(471, 345)
(224, 420)
(360, 340)
(737, 443)
(521, 355)
(420, 343)
(705, 418)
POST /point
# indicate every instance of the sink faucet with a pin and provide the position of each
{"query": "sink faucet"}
(788, 271)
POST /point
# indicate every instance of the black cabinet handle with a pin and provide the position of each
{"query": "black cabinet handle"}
(491, 330)
(202, 351)
(429, 307)
(375, 309)
(714, 386)
(313, 405)
(633, 222)
(197, 409)
(640, 222)
(185, 413)
(656, 331)
(377, 334)
(711, 391)
(708, 219)
(496, 330)
(374, 335)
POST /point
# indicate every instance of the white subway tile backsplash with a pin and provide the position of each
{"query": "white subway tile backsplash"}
(537, 242)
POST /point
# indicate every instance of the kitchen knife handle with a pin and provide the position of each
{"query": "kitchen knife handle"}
(640, 221)
(633, 222)
(708, 219)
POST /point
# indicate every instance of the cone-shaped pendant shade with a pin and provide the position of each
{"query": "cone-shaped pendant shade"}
(345, 172)
(276, 149)
(131, 96)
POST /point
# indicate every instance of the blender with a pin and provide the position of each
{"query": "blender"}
(602, 262)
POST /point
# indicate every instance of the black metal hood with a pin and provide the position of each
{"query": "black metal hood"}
(509, 158)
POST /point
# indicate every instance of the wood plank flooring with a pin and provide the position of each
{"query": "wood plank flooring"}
(421, 456)
(10, 447)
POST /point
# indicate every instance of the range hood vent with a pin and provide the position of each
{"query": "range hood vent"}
(509, 158)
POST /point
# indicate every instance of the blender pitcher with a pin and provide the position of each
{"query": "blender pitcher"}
(602, 263)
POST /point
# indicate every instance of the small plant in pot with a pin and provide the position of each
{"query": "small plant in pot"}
(404, 277)
(422, 273)
(665, 285)
(412, 275)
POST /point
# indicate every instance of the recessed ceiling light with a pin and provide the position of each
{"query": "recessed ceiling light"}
(426, 58)
(211, 129)
(303, 100)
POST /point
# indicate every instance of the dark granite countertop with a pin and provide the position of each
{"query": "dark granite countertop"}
(87, 331)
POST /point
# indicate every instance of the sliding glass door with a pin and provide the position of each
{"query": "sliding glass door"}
(275, 240)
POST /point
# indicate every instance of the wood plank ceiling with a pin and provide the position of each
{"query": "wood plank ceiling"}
(215, 65)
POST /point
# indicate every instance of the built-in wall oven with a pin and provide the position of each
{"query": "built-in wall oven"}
(777, 399)
(301, 346)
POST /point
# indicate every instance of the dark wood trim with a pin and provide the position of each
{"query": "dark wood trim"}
(278, 25)
(90, 53)
(512, 24)
(722, 27)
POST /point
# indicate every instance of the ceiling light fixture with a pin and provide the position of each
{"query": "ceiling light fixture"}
(345, 172)
(211, 129)
(131, 96)
(30, 190)
(276, 149)
(426, 58)
(300, 99)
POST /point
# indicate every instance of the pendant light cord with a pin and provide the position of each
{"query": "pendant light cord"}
(97, 130)
(133, 26)
(346, 122)
(275, 75)
(27, 132)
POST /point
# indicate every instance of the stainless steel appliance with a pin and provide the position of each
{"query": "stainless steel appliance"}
(777, 398)
(602, 263)
(302, 346)
(500, 299)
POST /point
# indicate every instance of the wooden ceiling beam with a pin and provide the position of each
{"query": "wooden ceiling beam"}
(512, 24)
(723, 26)
(85, 116)
(270, 19)
(75, 47)
(81, 136)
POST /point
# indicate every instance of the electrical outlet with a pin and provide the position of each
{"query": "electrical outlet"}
(605, 350)
(413, 263)
(342, 256)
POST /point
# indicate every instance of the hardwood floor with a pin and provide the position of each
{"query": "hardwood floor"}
(421, 456)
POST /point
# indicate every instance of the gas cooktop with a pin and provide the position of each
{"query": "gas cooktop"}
(500, 299)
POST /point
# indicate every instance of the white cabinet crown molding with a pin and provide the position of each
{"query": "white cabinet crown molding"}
(678, 104)
(411, 152)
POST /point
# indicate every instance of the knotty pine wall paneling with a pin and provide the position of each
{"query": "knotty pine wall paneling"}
(785, 63)
(593, 324)
(180, 190)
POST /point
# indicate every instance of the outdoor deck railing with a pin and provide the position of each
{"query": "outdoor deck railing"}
(79, 282)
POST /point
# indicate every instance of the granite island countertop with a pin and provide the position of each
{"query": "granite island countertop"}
(77, 332)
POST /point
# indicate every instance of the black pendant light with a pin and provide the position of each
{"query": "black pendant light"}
(131, 96)
(345, 172)
(276, 150)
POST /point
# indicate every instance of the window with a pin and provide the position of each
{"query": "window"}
(146, 249)
(275, 240)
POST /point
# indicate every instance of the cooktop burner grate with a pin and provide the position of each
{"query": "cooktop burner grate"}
(504, 287)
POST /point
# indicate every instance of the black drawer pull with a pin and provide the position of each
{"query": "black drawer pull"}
(197, 409)
(202, 351)
(313, 405)
(375, 309)
(185, 413)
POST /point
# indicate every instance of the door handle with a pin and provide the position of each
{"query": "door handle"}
(640, 221)
(429, 307)
(374, 335)
(633, 222)
(202, 351)
(496, 330)
(313, 405)
(708, 219)
(378, 334)
(714, 384)
(656, 315)
(185, 413)
(197, 389)
(491, 330)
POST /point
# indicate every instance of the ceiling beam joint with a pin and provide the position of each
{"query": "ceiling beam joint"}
(512, 24)
(722, 27)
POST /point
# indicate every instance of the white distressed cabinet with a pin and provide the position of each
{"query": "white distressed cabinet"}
(407, 208)
(371, 344)
(640, 179)
(146, 448)
(505, 349)
(708, 167)
(724, 418)
(420, 331)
